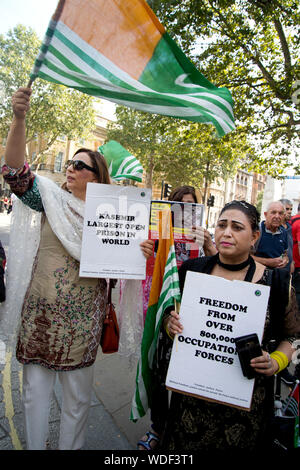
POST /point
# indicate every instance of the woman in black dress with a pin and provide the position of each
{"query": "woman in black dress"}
(194, 424)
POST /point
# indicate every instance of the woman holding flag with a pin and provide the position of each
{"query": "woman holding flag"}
(194, 424)
(57, 315)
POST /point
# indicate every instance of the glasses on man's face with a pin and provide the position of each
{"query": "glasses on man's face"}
(79, 165)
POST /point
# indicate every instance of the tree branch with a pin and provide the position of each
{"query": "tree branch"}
(291, 122)
(254, 57)
(284, 46)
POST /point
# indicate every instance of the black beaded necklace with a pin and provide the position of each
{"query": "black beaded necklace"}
(237, 267)
(213, 260)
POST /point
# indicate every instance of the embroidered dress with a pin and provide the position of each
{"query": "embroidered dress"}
(62, 314)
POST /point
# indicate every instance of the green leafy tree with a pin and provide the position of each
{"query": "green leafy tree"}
(215, 158)
(144, 135)
(259, 201)
(252, 48)
(55, 110)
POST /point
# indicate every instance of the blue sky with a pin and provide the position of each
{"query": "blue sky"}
(34, 13)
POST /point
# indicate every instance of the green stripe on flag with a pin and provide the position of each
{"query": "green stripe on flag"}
(121, 164)
(169, 292)
(160, 70)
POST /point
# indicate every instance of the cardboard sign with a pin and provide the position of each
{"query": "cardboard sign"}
(213, 312)
(116, 221)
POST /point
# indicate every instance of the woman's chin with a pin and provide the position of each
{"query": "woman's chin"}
(226, 251)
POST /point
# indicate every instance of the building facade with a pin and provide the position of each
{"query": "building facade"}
(287, 187)
(243, 186)
(63, 149)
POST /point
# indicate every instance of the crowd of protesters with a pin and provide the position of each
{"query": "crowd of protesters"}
(266, 253)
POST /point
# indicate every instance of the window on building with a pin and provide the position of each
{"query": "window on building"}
(58, 162)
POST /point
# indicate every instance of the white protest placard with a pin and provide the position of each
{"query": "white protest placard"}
(116, 221)
(213, 312)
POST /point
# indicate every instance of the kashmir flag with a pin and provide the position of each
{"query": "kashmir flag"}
(121, 164)
(118, 50)
(164, 292)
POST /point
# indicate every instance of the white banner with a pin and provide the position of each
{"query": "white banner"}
(116, 221)
(213, 312)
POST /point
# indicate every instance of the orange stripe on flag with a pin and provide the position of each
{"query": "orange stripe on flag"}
(165, 241)
(130, 25)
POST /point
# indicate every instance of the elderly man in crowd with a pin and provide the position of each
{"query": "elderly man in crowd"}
(272, 246)
(272, 250)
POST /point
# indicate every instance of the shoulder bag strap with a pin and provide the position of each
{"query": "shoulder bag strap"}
(109, 292)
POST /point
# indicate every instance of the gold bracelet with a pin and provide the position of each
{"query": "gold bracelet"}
(281, 359)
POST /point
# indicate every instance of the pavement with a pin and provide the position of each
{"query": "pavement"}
(109, 427)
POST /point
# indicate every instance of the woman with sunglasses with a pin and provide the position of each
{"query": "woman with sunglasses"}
(62, 314)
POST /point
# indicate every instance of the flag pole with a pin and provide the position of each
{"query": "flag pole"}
(176, 336)
(54, 19)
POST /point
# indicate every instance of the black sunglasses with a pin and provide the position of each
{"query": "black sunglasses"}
(79, 165)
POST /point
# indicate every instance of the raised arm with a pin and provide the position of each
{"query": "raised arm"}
(16, 139)
(19, 176)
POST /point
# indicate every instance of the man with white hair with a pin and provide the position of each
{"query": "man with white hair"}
(272, 246)
(288, 209)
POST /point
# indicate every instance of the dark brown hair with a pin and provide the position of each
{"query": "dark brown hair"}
(178, 193)
(98, 162)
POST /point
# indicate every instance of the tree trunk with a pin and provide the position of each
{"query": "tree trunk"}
(204, 197)
(149, 173)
